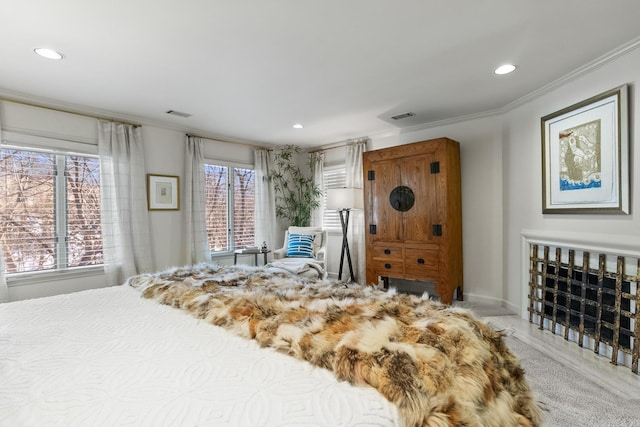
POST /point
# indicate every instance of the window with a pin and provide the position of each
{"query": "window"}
(50, 209)
(334, 177)
(230, 203)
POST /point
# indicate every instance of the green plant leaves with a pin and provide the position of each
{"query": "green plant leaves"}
(296, 193)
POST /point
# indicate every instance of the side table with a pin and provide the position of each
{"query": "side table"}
(255, 255)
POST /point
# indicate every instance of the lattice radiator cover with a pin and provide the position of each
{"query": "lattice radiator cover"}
(585, 294)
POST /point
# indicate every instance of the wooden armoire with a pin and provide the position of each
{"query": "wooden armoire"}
(413, 216)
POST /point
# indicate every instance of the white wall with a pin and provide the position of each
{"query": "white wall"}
(522, 166)
(164, 155)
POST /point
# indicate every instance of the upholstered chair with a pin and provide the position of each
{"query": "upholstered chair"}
(296, 242)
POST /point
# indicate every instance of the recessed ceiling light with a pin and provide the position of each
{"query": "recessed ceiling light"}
(298, 126)
(505, 69)
(48, 53)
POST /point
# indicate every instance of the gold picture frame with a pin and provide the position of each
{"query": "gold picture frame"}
(585, 156)
(163, 192)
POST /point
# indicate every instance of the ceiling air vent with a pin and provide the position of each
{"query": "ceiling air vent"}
(403, 116)
(178, 113)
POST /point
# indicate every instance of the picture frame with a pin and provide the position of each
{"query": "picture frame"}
(585, 156)
(163, 192)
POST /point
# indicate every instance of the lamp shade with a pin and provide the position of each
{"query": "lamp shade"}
(344, 198)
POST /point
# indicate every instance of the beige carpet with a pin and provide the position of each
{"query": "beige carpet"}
(571, 399)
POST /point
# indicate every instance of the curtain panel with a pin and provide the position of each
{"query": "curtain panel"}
(317, 160)
(4, 290)
(265, 205)
(354, 179)
(196, 246)
(127, 248)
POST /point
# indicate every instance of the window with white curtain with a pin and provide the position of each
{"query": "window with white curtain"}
(230, 203)
(334, 177)
(50, 209)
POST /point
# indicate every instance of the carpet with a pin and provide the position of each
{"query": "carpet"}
(568, 398)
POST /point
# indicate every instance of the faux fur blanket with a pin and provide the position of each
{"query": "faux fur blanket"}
(299, 268)
(439, 365)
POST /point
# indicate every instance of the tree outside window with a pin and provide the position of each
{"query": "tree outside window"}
(229, 187)
(50, 210)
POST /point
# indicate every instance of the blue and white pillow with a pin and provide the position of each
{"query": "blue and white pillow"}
(300, 245)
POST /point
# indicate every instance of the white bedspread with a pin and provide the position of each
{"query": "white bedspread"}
(107, 357)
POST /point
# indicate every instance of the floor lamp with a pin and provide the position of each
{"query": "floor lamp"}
(344, 200)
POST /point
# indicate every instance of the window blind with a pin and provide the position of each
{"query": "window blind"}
(334, 177)
(84, 230)
(216, 184)
(244, 207)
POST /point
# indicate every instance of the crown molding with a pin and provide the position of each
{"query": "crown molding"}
(43, 102)
(579, 72)
(574, 75)
(99, 114)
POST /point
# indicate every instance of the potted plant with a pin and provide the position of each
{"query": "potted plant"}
(296, 193)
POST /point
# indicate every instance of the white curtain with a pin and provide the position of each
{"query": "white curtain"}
(317, 160)
(4, 290)
(196, 246)
(356, 235)
(265, 207)
(126, 238)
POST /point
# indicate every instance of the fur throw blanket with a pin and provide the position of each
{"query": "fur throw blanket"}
(438, 364)
(299, 267)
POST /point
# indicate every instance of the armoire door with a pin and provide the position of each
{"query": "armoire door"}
(419, 220)
(386, 220)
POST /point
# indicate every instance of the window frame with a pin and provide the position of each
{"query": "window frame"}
(230, 165)
(60, 147)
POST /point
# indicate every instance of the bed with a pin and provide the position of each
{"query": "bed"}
(208, 345)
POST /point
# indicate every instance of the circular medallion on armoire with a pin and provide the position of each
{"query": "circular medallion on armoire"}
(402, 198)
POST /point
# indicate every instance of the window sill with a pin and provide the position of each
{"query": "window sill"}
(20, 279)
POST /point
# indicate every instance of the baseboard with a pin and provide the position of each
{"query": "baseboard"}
(491, 301)
(515, 309)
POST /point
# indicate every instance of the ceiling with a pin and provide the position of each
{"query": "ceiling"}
(247, 70)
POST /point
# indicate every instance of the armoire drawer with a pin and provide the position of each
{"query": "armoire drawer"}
(389, 268)
(386, 252)
(420, 263)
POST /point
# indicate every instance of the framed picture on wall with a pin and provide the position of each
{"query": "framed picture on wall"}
(163, 192)
(585, 156)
